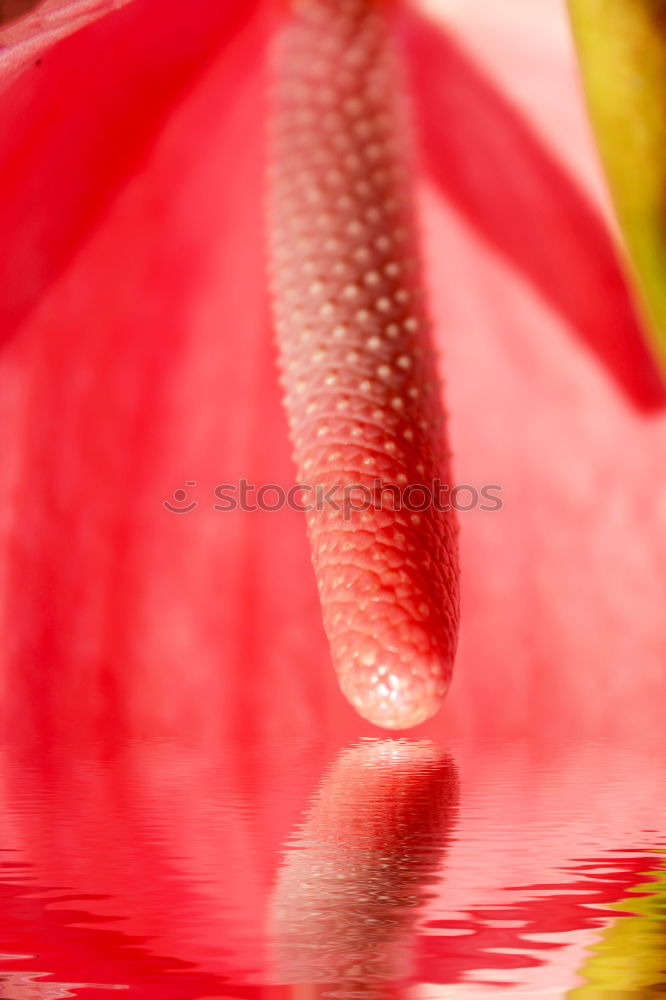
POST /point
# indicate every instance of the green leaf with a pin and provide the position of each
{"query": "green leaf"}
(622, 51)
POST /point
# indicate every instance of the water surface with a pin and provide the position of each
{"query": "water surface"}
(379, 868)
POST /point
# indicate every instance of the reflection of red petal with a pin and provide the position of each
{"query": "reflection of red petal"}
(139, 867)
(477, 941)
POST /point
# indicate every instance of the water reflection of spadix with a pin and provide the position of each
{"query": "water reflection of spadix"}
(349, 888)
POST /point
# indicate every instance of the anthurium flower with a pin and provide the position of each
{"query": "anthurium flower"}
(137, 362)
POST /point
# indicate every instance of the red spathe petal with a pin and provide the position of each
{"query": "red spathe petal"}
(29, 27)
(136, 358)
(561, 624)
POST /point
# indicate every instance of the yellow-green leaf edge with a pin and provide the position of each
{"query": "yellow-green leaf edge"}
(622, 52)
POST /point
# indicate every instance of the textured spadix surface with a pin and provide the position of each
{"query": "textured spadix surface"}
(361, 388)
